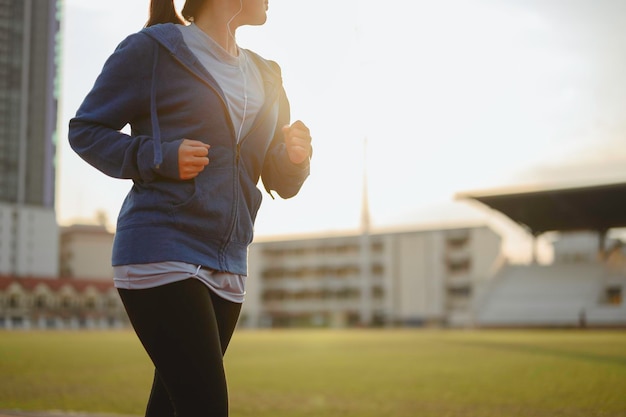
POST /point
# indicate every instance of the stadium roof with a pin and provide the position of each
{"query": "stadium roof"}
(595, 207)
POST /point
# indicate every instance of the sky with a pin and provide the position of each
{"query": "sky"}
(429, 98)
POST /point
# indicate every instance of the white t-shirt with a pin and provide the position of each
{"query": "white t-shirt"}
(142, 276)
(238, 77)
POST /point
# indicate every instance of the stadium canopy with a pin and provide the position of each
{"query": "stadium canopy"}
(594, 208)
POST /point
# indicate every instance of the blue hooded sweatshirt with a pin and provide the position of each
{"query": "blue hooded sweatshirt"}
(156, 84)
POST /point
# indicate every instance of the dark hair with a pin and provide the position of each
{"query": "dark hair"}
(163, 11)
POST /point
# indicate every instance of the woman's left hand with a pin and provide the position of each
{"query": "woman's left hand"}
(298, 142)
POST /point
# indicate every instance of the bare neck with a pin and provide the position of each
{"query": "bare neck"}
(220, 26)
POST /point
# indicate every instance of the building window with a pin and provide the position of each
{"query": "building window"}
(274, 295)
(457, 242)
(459, 266)
(378, 292)
(460, 292)
(378, 269)
(90, 304)
(111, 303)
(614, 295)
(347, 271)
(14, 301)
(66, 302)
(40, 302)
(377, 247)
(273, 273)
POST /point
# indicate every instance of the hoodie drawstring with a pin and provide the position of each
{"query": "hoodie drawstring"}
(154, 117)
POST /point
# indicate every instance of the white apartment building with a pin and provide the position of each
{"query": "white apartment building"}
(421, 277)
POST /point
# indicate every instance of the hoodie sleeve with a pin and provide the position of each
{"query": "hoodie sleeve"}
(121, 94)
(279, 173)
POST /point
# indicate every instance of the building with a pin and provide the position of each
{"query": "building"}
(580, 288)
(27, 303)
(29, 58)
(82, 297)
(422, 277)
(86, 252)
(454, 276)
(586, 283)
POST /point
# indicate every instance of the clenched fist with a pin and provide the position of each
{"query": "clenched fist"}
(193, 156)
(298, 142)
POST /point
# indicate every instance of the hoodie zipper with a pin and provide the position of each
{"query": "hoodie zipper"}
(236, 191)
(235, 202)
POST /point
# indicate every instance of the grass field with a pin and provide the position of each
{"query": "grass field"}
(359, 373)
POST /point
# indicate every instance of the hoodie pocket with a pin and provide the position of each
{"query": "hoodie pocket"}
(207, 212)
(147, 205)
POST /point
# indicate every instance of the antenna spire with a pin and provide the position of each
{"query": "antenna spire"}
(365, 206)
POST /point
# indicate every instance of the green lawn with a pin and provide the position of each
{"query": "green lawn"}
(319, 373)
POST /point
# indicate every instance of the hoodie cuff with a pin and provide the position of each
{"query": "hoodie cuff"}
(295, 174)
(290, 169)
(169, 166)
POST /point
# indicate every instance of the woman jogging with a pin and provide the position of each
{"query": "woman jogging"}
(208, 120)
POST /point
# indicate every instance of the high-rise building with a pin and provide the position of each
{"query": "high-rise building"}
(29, 59)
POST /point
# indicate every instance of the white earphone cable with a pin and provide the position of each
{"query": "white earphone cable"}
(242, 70)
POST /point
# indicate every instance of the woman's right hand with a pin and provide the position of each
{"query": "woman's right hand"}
(193, 156)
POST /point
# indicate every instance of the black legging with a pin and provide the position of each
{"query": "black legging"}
(185, 328)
